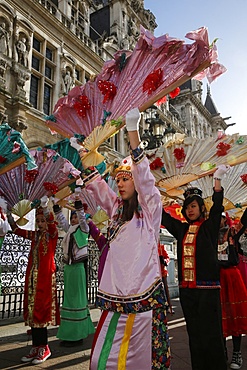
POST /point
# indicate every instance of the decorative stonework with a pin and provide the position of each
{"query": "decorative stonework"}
(67, 73)
(5, 63)
(5, 34)
(21, 76)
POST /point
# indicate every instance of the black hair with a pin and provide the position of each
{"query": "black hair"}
(72, 214)
(130, 207)
(189, 200)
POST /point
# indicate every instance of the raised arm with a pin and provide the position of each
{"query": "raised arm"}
(80, 212)
(148, 195)
(60, 217)
(51, 224)
(218, 175)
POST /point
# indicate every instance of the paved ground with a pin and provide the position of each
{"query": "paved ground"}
(14, 343)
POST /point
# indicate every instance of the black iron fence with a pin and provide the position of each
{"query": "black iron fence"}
(13, 262)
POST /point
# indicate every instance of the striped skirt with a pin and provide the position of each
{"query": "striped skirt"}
(131, 341)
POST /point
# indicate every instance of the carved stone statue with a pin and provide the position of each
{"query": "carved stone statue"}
(4, 39)
(125, 43)
(137, 5)
(22, 51)
(68, 82)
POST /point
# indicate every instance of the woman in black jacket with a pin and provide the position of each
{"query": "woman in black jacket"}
(198, 274)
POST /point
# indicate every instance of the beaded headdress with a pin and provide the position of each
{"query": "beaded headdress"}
(124, 169)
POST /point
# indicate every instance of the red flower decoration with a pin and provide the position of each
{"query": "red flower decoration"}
(108, 89)
(153, 81)
(174, 93)
(2, 159)
(30, 175)
(51, 186)
(161, 101)
(82, 105)
(157, 163)
(179, 154)
(222, 149)
(244, 178)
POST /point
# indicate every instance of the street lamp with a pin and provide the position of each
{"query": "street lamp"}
(153, 136)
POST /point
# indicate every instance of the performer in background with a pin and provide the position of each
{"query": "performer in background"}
(76, 323)
(199, 276)
(233, 292)
(40, 294)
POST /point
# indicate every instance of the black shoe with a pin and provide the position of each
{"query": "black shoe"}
(71, 343)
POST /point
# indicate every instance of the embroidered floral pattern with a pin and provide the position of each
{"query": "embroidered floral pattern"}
(151, 300)
(161, 356)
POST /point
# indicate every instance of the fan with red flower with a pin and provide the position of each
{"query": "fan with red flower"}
(184, 159)
(53, 173)
(235, 189)
(156, 67)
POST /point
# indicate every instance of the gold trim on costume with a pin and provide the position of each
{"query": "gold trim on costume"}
(189, 250)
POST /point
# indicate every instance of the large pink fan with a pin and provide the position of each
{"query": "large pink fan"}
(138, 79)
(23, 189)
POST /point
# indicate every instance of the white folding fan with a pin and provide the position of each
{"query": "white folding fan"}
(235, 188)
(132, 79)
(186, 159)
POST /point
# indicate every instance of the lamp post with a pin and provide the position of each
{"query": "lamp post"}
(153, 136)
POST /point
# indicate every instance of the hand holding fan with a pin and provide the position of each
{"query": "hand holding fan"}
(234, 184)
(66, 198)
(52, 174)
(138, 79)
(184, 160)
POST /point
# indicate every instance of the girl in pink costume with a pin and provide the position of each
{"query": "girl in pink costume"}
(132, 331)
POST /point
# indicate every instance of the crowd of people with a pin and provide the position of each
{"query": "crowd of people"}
(133, 295)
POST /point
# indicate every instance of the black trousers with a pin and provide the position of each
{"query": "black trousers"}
(202, 312)
(39, 336)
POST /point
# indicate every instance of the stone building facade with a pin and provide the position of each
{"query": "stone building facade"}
(48, 46)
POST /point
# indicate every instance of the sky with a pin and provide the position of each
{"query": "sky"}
(225, 20)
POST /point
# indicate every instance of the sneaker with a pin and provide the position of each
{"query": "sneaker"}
(237, 361)
(43, 354)
(31, 356)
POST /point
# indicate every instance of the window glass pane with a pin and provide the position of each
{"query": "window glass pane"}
(36, 44)
(77, 74)
(48, 72)
(34, 88)
(35, 63)
(47, 99)
(116, 142)
(48, 54)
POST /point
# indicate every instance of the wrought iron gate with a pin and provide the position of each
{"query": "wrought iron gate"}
(13, 263)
